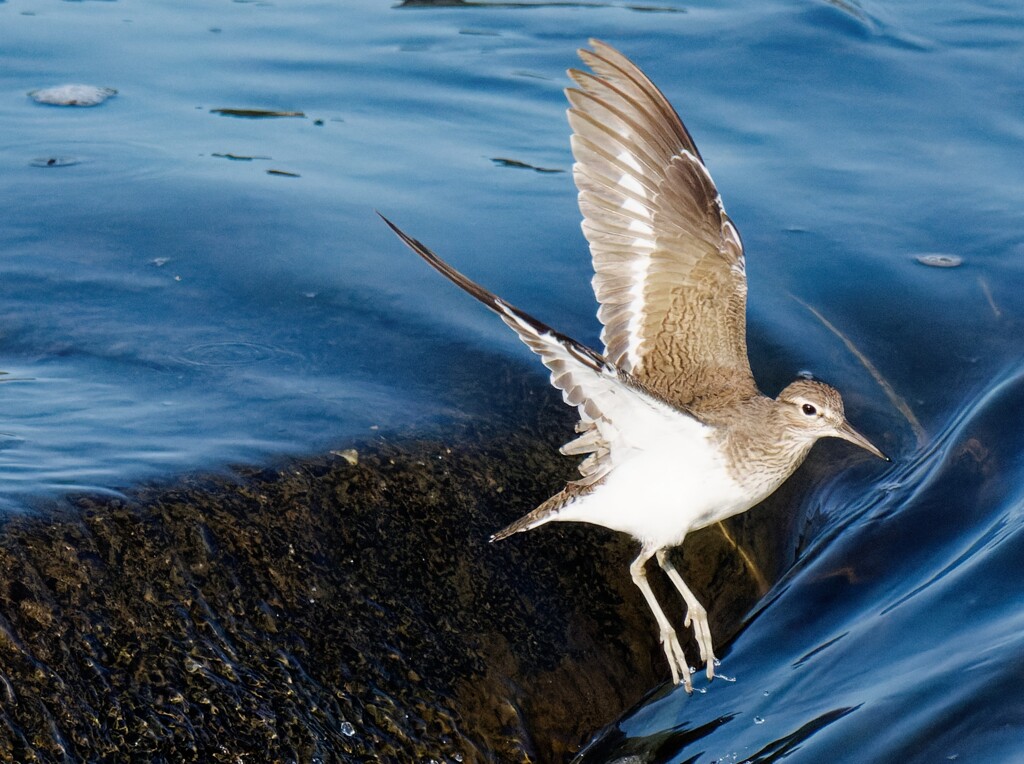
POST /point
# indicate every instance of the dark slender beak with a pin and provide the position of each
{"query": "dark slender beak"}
(846, 432)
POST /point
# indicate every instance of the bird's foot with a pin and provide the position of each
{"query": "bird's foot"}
(676, 659)
(698, 618)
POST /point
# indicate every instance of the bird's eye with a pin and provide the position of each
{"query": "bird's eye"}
(809, 409)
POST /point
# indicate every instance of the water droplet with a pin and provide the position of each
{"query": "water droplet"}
(758, 720)
(939, 260)
(725, 678)
(717, 662)
(347, 729)
(766, 693)
(693, 670)
(458, 756)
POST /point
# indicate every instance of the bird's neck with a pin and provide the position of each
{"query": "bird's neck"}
(763, 452)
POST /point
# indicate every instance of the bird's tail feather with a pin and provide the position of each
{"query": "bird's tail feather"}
(545, 513)
(524, 523)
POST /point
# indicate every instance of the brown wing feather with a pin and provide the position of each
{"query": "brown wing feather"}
(600, 392)
(668, 261)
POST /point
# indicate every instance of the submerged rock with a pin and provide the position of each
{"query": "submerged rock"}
(334, 610)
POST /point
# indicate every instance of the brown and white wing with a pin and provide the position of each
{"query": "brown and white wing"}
(668, 261)
(603, 394)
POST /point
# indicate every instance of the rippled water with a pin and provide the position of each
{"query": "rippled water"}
(182, 287)
(896, 634)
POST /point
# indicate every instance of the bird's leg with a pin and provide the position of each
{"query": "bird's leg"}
(669, 640)
(695, 613)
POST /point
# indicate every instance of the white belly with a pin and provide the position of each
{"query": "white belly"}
(675, 485)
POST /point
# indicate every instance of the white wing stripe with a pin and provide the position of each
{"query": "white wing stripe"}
(600, 134)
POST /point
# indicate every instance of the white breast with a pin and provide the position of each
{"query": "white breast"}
(671, 481)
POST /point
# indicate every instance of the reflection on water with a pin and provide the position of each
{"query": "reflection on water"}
(170, 301)
(256, 113)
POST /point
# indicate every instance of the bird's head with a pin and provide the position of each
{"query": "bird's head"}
(814, 410)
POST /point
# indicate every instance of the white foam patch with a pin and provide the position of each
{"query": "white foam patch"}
(72, 95)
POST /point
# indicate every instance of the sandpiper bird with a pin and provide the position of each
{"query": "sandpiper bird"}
(675, 432)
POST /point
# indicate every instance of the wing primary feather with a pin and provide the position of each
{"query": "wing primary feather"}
(523, 323)
(610, 63)
(669, 265)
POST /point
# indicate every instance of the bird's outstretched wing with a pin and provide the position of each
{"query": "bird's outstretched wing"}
(668, 261)
(604, 395)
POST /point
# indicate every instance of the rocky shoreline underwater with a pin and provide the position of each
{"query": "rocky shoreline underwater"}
(343, 608)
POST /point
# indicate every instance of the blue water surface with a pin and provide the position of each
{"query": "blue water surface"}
(182, 289)
(167, 303)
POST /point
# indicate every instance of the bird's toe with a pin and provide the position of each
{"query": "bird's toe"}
(676, 659)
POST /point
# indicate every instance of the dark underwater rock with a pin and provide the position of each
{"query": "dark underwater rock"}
(331, 611)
